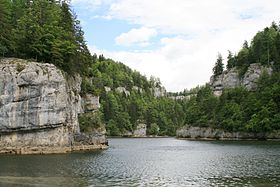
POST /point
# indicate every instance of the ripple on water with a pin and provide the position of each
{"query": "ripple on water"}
(152, 162)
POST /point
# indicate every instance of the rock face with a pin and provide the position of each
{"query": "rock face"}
(123, 90)
(39, 108)
(231, 79)
(158, 91)
(209, 133)
(140, 131)
(90, 103)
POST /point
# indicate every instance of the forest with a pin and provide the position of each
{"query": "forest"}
(48, 31)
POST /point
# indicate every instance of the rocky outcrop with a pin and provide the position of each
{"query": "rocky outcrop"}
(123, 90)
(209, 133)
(138, 89)
(158, 91)
(90, 103)
(231, 78)
(140, 131)
(181, 97)
(39, 108)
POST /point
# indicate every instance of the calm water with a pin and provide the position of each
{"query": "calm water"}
(151, 162)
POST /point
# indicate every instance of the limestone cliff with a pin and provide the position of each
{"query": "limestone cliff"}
(210, 133)
(39, 109)
(231, 79)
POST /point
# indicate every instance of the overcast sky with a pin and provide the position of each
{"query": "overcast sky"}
(175, 40)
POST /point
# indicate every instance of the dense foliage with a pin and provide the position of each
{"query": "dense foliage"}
(219, 66)
(238, 109)
(48, 31)
(127, 99)
(264, 49)
(44, 30)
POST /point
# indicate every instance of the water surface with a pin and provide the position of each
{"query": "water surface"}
(151, 162)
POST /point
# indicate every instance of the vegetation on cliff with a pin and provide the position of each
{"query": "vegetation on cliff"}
(48, 31)
(127, 99)
(238, 109)
(44, 30)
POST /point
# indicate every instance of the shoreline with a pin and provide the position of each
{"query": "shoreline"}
(141, 137)
(227, 139)
(51, 150)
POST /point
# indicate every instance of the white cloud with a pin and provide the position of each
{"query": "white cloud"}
(199, 29)
(184, 16)
(91, 3)
(139, 37)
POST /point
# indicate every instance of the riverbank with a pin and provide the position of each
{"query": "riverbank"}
(51, 150)
(148, 136)
(207, 133)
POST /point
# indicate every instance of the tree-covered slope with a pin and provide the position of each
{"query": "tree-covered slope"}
(48, 31)
(44, 30)
(128, 98)
(240, 109)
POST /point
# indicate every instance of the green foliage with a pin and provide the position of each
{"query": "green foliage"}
(154, 129)
(49, 31)
(90, 121)
(231, 61)
(112, 129)
(5, 27)
(45, 30)
(264, 49)
(238, 109)
(122, 112)
(219, 66)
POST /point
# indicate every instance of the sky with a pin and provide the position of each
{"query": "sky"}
(175, 40)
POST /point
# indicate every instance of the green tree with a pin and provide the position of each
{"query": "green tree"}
(5, 27)
(219, 66)
(230, 61)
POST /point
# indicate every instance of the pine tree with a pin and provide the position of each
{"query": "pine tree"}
(219, 66)
(5, 27)
(230, 60)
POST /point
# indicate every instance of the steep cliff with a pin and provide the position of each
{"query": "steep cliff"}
(231, 78)
(39, 109)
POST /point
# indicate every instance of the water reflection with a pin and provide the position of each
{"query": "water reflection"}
(151, 162)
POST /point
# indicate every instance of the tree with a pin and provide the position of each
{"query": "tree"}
(5, 26)
(219, 66)
(230, 60)
(245, 45)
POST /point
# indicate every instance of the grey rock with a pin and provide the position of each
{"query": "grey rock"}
(107, 89)
(252, 75)
(231, 79)
(123, 90)
(39, 107)
(158, 91)
(140, 131)
(90, 102)
(210, 133)
(138, 89)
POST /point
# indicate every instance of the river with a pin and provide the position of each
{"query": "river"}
(151, 162)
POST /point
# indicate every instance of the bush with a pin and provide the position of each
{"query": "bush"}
(90, 121)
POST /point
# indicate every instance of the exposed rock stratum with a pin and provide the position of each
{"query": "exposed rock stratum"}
(39, 107)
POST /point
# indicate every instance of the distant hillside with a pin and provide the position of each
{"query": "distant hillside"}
(129, 98)
(249, 89)
(48, 31)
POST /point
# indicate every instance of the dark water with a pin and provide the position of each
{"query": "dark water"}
(151, 162)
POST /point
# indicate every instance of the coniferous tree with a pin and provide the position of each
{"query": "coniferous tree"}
(230, 60)
(5, 27)
(219, 66)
